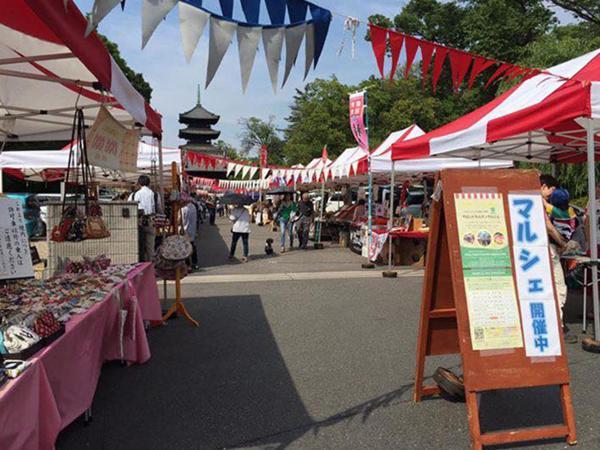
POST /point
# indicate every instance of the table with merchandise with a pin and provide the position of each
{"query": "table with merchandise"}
(56, 334)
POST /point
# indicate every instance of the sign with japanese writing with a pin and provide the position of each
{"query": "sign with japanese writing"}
(15, 258)
(357, 119)
(112, 146)
(534, 279)
(487, 269)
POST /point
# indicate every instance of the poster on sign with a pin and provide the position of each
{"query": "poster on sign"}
(112, 146)
(533, 272)
(357, 119)
(15, 257)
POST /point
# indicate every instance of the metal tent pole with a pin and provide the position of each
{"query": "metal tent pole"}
(322, 209)
(391, 221)
(591, 160)
(161, 176)
(369, 264)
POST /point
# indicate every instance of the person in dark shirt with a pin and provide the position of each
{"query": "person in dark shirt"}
(306, 211)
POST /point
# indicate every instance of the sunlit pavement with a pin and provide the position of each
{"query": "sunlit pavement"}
(302, 350)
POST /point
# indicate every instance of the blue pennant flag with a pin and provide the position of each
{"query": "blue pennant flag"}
(276, 10)
(227, 8)
(251, 10)
(297, 10)
(322, 19)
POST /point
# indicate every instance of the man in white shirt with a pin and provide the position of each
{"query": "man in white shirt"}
(146, 200)
(189, 219)
(240, 229)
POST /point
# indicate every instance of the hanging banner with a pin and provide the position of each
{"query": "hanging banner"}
(264, 156)
(357, 119)
(494, 321)
(377, 242)
(111, 145)
(534, 275)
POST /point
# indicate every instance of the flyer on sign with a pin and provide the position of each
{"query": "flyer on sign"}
(494, 320)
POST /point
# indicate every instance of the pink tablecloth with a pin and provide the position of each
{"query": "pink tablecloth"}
(60, 384)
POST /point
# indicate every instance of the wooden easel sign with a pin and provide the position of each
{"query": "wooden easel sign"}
(489, 294)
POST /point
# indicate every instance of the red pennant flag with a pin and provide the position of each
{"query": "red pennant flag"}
(459, 64)
(378, 40)
(438, 64)
(503, 68)
(412, 45)
(396, 40)
(514, 73)
(426, 52)
(324, 154)
(479, 66)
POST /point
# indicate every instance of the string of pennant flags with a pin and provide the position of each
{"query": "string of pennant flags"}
(308, 22)
(435, 55)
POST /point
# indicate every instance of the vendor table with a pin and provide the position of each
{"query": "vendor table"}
(61, 382)
(409, 248)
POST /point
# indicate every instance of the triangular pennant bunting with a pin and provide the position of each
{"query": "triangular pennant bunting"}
(273, 44)
(221, 33)
(253, 171)
(99, 11)
(322, 20)
(153, 11)
(227, 8)
(459, 64)
(293, 40)
(276, 10)
(297, 10)
(309, 48)
(251, 9)
(245, 170)
(411, 45)
(479, 65)
(248, 39)
(503, 68)
(426, 53)
(396, 40)
(378, 41)
(438, 65)
(191, 24)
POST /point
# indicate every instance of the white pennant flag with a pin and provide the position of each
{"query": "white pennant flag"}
(245, 171)
(304, 176)
(318, 172)
(309, 48)
(153, 11)
(237, 169)
(293, 39)
(100, 10)
(273, 43)
(311, 173)
(265, 173)
(220, 36)
(354, 167)
(248, 39)
(191, 25)
(230, 167)
(253, 171)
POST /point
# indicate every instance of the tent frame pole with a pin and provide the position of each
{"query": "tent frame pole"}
(591, 163)
(161, 175)
(391, 220)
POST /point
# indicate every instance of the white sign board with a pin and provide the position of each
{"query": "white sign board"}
(534, 279)
(15, 259)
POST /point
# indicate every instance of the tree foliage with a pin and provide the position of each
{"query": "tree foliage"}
(256, 133)
(588, 10)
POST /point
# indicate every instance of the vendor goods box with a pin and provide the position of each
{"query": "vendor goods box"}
(121, 247)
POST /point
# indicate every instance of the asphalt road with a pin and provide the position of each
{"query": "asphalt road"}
(323, 360)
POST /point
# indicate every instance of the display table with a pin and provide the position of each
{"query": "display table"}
(409, 247)
(60, 384)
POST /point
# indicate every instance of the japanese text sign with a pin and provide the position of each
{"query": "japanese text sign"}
(357, 120)
(533, 272)
(15, 258)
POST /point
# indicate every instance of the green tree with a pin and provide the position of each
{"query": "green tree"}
(136, 79)
(588, 10)
(228, 150)
(256, 133)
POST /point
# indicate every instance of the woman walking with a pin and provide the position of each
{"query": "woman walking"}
(284, 215)
(241, 229)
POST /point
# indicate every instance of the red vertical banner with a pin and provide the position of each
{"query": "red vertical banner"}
(357, 119)
(264, 155)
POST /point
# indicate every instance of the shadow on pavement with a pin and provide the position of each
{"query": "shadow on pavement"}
(214, 386)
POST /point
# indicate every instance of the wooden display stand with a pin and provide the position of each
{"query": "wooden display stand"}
(177, 307)
(444, 322)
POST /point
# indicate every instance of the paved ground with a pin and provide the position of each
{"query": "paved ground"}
(314, 354)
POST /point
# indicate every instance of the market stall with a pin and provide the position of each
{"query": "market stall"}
(553, 117)
(57, 333)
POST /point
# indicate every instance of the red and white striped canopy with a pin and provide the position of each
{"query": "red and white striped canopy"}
(539, 120)
(47, 67)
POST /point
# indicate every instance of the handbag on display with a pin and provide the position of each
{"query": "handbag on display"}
(95, 227)
(176, 248)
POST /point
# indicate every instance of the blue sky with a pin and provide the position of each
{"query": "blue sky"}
(175, 81)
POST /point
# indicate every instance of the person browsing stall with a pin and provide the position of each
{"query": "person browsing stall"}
(557, 243)
(284, 214)
(147, 207)
(306, 211)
